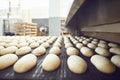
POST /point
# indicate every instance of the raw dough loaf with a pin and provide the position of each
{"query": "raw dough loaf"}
(49, 41)
(116, 60)
(30, 41)
(115, 50)
(102, 51)
(25, 63)
(102, 42)
(55, 50)
(91, 45)
(23, 50)
(11, 44)
(102, 64)
(75, 42)
(46, 45)
(51, 62)
(80, 40)
(72, 51)
(57, 45)
(34, 45)
(1, 47)
(8, 50)
(94, 42)
(112, 45)
(40, 41)
(86, 51)
(103, 45)
(39, 51)
(67, 45)
(3, 44)
(22, 44)
(79, 45)
(85, 42)
(76, 64)
(7, 60)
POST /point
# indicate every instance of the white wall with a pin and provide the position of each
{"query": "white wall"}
(1, 27)
(54, 17)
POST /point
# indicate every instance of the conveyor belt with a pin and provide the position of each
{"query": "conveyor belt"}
(62, 73)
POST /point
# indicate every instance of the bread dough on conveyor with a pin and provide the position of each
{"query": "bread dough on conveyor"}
(25, 63)
(34, 45)
(76, 64)
(55, 50)
(103, 45)
(7, 60)
(39, 51)
(67, 45)
(51, 62)
(23, 50)
(102, 51)
(115, 50)
(72, 51)
(79, 45)
(91, 45)
(57, 44)
(45, 44)
(8, 50)
(86, 51)
(42, 66)
(116, 60)
(103, 64)
(112, 45)
(22, 44)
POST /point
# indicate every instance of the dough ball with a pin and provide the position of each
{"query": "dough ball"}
(85, 42)
(79, 45)
(72, 51)
(11, 44)
(55, 50)
(76, 64)
(67, 45)
(88, 40)
(39, 51)
(8, 50)
(57, 45)
(75, 42)
(50, 41)
(91, 45)
(51, 62)
(80, 40)
(112, 45)
(23, 50)
(67, 41)
(102, 64)
(7, 60)
(115, 50)
(3, 44)
(34, 44)
(86, 51)
(94, 42)
(103, 45)
(46, 45)
(116, 60)
(102, 51)
(102, 42)
(25, 63)
(1, 47)
(22, 44)
(40, 41)
(30, 41)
